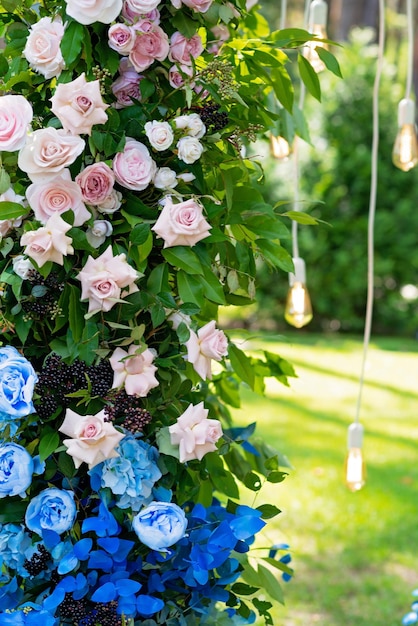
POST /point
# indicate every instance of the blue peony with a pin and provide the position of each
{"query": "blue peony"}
(16, 469)
(160, 525)
(130, 476)
(17, 381)
(51, 510)
(14, 541)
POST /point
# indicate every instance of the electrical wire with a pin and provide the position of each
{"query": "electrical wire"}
(372, 207)
(283, 11)
(410, 67)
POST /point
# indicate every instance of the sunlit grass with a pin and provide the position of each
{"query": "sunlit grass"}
(354, 554)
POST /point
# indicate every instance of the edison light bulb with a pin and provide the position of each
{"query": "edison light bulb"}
(298, 309)
(405, 150)
(318, 13)
(280, 148)
(354, 467)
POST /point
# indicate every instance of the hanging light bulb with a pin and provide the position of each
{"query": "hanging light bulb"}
(405, 150)
(317, 24)
(279, 146)
(298, 309)
(355, 470)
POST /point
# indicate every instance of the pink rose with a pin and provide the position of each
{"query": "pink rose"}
(95, 183)
(134, 370)
(159, 134)
(131, 15)
(141, 7)
(221, 34)
(200, 6)
(57, 195)
(121, 38)
(48, 243)
(134, 168)
(42, 50)
(126, 88)
(79, 105)
(189, 149)
(209, 343)
(149, 47)
(183, 50)
(47, 152)
(194, 433)
(181, 224)
(15, 119)
(177, 76)
(90, 11)
(93, 439)
(103, 280)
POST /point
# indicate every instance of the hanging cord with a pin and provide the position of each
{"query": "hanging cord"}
(372, 206)
(410, 67)
(283, 11)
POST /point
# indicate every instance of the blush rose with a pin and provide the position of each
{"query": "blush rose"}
(134, 168)
(90, 11)
(15, 119)
(194, 433)
(135, 371)
(184, 50)
(57, 195)
(181, 223)
(79, 105)
(93, 439)
(42, 50)
(207, 344)
(103, 280)
(48, 243)
(47, 152)
(121, 38)
(126, 88)
(148, 47)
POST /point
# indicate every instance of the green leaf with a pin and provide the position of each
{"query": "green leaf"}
(72, 42)
(139, 234)
(158, 279)
(241, 589)
(12, 512)
(212, 287)
(241, 364)
(309, 77)
(11, 210)
(49, 443)
(330, 61)
(184, 24)
(4, 178)
(190, 288)
(301, 217)
(283, 87)
(275, 254)
(252, 481)
(270, 584)
(279, 565)
(75, 313)
(276, 477)
(268, 511)
(164, 443)
(184, 258)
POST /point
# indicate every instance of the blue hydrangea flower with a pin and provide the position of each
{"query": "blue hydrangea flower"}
(130, 476)
(14, 542)
(16, 469)
(17, 381)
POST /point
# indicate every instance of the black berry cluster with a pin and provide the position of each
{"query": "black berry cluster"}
(38, 562)
(44, 303)
(103, 614)
(57, 379)
(126, 411)
(212, 118)
(74, 610)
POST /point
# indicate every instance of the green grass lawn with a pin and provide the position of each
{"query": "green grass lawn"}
(355, 555)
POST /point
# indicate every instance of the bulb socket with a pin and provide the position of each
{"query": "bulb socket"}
(299, 275)
(406, 112)
(355, 436)
(318, 13)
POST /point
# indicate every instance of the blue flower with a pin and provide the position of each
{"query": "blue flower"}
(16, 469)
(159, 525)
(130, 476)
(52, 510)
(17, 381)
(14, 541)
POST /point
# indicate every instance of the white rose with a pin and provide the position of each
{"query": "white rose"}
(159, 134)
(187, 177)
(111, 204)
(189, 149)
(42, 50)
(165, 178)
(90, 11)
(142, 7)
(22, 266)
(48, 151)
(96, 234)
(192, 124)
